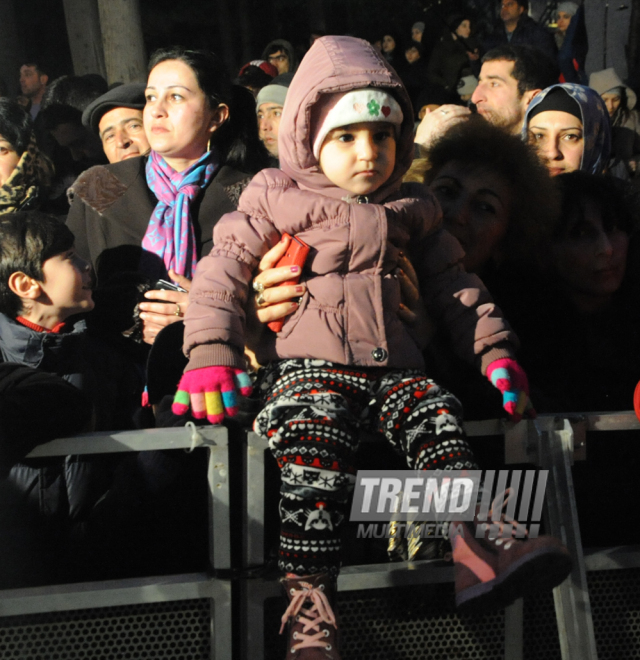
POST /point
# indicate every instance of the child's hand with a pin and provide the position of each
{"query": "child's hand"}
(508, 376)
(210, 392)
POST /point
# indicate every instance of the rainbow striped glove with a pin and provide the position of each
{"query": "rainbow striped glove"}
(211, 392)
(509, 377)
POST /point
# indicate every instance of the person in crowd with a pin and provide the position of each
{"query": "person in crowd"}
(415, 77)
(454, 54)
(499, 202)
(564, 14)
(417, 30)
(63, 123)
(269, 106)
(75, 91)
(572, 43)
(43, 284)
(569, 127)
(33, 83)
(393, 52)
(255, 75)
(343, 155)
(116, 117)
(620, 100)
(282, 55)
(61, 136)
(25, 173)
(495, 195)
(519, 29)
(587, 287)
(510, 78)
(153, 217)
(103, 525)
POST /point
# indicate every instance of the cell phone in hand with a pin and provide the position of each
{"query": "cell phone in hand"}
(163, 285)
(295, 255)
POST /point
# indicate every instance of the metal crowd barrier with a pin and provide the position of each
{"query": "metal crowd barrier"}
(190, 616)
(551, 442)
(177, 616)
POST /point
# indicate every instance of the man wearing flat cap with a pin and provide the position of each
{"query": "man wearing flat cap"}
(117, 118)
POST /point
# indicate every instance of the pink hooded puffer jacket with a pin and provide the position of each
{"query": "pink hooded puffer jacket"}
(348, 314)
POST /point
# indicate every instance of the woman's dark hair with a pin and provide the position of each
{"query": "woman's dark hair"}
(618, 203)
(27, 240)
(477, 145)
(75, 91)
(15, 125)
(237, 139)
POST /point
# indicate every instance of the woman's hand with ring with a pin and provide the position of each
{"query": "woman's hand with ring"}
(157, 315)
(273, 302)
(437, 122)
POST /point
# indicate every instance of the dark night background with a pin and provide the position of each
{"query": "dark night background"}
(237, 30)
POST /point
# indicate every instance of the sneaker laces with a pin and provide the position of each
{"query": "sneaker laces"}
(311, 618)
(505, 523)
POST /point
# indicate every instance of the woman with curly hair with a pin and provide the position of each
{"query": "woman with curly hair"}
(496, 197)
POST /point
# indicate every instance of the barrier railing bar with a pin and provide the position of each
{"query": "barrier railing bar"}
(86, 595)
(122, 441)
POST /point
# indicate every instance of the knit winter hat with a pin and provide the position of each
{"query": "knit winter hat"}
(275, 92)
(419, 25)
(354, 107)
(607, 80)
(570, 8)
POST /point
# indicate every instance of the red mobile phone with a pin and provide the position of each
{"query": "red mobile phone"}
(295, 255)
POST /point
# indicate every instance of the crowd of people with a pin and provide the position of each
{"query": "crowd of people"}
(469, 209)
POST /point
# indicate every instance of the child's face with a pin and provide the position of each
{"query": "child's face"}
(67, 285)
(359, 158)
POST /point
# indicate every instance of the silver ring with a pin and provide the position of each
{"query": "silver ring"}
(258, 286)
(444, 112)
(260, 299)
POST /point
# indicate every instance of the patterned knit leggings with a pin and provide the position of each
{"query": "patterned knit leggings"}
(313, 414)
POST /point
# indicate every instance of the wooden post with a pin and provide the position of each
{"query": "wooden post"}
(124, 52)
(85, 37)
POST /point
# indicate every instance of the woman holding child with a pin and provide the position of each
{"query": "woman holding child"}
(154, 216)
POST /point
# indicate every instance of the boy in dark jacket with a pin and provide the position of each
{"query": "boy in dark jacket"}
(44, 287)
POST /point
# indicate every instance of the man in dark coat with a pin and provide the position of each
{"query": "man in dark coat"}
(519, 29)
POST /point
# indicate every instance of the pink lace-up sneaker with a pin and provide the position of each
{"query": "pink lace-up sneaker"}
(312, 623)
(492, 569)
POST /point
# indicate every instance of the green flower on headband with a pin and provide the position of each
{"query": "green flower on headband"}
(374, 107)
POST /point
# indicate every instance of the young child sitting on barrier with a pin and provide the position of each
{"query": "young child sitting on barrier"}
(344, 360)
